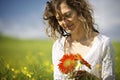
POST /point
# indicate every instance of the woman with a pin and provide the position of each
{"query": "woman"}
(71, 22)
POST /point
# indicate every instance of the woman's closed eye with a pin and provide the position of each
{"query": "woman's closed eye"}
(65, 16)
(68, 15)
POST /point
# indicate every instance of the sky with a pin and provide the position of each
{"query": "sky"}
(23, 18)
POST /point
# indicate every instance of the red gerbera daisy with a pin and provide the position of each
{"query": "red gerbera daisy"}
(79, 57)
(67, 63)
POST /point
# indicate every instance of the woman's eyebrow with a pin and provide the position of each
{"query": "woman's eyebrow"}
(66, 12)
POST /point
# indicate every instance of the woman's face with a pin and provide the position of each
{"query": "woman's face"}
(68, 19)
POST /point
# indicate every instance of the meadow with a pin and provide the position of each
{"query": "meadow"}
(31, 59)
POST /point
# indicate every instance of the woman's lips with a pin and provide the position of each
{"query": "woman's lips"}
(69, 27)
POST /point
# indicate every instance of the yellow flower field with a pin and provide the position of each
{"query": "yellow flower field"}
(31, 59)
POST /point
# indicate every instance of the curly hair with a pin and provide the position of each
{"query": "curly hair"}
(82, 7)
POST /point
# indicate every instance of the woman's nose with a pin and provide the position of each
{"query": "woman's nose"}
(65, 21)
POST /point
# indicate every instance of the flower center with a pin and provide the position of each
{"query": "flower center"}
(67, 63)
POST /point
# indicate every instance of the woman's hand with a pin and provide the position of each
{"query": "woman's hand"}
(83, 75)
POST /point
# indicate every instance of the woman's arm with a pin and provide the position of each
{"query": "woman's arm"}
(108, 72)
(57, 53)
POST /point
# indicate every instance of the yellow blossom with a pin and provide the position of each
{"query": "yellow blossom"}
(25, 68)
(12, 69)
(98, 66)
(78, 65)
(51, 67)
(29, 75)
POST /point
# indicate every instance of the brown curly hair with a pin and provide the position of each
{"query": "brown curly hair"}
(52, 7)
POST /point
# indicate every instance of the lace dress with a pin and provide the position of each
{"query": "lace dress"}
(101, 58)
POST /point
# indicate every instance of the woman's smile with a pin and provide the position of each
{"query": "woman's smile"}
(69, 27)
(67, 18)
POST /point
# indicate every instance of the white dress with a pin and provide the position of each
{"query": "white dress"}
(100, 56)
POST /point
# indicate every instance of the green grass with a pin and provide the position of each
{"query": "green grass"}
(31, 59)
(25, 59)
(116, 46)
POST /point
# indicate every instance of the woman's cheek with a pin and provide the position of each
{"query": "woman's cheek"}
(61, 24)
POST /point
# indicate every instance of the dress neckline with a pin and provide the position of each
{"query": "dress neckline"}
(94, 45)
(91, 49)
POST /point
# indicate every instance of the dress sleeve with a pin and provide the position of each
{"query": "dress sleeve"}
(57, 53)
(108, 72)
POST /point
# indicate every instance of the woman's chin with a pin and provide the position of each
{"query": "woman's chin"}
(68, 31)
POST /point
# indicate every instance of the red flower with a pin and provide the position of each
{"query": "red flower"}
(79, 57)
(67, 63)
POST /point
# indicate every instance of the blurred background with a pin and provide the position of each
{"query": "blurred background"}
(25, 50)
(23, 18)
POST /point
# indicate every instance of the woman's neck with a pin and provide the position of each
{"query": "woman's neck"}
(81, 37)
(78, 35)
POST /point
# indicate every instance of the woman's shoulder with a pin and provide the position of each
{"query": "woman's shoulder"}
(103, 38)
(59, 42)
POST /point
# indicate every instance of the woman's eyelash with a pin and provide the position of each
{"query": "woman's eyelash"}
(68, 15)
